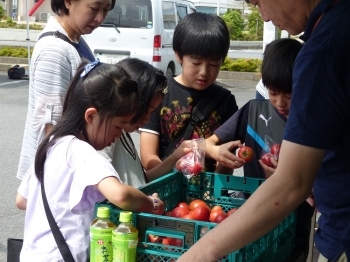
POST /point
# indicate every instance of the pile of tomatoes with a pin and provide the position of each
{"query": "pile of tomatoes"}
(196, 210)
(199, 210)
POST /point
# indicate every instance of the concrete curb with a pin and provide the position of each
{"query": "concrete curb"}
(251, 76)
(7, 62)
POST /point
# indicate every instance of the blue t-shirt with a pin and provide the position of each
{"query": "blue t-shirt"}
(320, 118)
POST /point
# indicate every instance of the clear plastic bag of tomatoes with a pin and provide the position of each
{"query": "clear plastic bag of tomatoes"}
(192, 163)
(271, 151)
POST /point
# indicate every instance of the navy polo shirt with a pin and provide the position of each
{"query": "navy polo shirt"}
(84, 50)
(320, 118)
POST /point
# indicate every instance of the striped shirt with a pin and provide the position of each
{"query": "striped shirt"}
(54, 63)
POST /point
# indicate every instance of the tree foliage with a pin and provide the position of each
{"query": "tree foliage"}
(2, 12)
(255, 24)
(235, 23)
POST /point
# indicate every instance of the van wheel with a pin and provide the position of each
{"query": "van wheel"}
(169, 72)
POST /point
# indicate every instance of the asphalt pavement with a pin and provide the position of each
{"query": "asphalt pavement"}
(13, 107)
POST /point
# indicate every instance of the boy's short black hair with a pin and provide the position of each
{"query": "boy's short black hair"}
(203, 36)
(278, 63)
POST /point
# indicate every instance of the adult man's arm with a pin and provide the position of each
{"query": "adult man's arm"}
(269, 205)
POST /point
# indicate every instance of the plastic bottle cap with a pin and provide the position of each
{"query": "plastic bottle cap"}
(103, 212)
(125, 216)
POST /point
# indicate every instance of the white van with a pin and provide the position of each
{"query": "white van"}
(143, 29)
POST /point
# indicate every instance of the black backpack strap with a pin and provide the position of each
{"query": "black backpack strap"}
(56, 34)
(200, 112)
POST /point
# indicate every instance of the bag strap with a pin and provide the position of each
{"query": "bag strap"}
(143, 170)
(57, 234)
(63, 37)
(56, 34)
(200, 112)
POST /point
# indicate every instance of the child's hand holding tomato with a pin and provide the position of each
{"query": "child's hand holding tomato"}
(269, 169)
(183, 149)
(223, 154)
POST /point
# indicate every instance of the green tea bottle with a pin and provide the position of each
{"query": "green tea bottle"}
(124, 239)
(101, 228)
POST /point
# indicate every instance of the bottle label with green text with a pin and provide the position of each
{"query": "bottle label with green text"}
(101, 249)
(124, 247)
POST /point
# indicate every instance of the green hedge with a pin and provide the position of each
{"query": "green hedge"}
(241, 65)
(21, 52)
(9, 23)
(230, 64)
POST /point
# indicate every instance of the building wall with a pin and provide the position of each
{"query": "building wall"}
(205, 6)
(44, 7)
(211, 6)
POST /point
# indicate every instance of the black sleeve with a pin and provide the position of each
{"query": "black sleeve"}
(154, 123)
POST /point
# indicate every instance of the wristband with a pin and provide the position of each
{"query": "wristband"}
(155, 203)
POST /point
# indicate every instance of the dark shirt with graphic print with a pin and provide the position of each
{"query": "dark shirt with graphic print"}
(174, 113)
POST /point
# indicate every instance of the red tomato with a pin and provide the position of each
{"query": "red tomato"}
(175, 241)
(167, 213)
(197, 202)
(220, 217)
(275, 149)
(188, 216)
(153, 238)
(179, 165)
(266, 159)
(201, 213)
(183, 205)
(214, 214)
(231, 211)
(195, 169)
(214, 208)
(246, 153)
(179, 212)
(165, 241)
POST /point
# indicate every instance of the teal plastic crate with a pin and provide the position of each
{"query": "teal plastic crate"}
(213, 189)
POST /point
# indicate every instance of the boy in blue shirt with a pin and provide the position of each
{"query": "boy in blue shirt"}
(260, 118)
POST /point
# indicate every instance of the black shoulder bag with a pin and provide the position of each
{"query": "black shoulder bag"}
(57, 234)
(16, 72)
(200, 112)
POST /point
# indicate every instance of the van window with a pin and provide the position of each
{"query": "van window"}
(130, 14)
(181, 11)
(168, 15)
